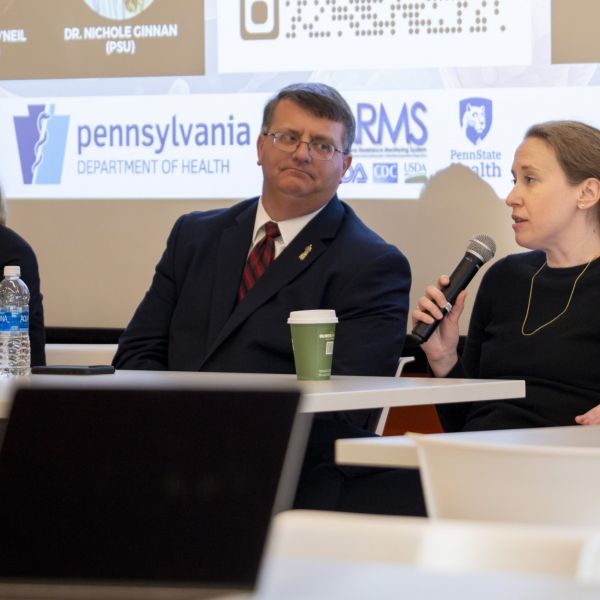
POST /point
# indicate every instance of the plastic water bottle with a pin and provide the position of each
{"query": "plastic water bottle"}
(15, 351)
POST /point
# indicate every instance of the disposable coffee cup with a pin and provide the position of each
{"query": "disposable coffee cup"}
(313, 334)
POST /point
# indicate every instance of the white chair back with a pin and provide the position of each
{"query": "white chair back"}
(434, 544)
(510, 482)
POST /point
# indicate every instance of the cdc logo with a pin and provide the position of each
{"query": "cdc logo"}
(385, 173)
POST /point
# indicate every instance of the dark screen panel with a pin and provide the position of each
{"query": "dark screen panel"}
(151, 484)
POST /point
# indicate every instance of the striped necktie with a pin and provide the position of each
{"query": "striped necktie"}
(259, 259)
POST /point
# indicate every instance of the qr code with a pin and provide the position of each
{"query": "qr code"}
(310, 19)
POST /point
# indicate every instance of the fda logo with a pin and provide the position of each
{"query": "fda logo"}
(259, 19)
(355, 174)
(385, 173)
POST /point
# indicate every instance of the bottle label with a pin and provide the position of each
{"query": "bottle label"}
(14, 319)
(23, 317)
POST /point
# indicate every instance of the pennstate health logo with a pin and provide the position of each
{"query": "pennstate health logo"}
(475, 118)
(41, 138)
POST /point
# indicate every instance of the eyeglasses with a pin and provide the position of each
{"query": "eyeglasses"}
(288, 142)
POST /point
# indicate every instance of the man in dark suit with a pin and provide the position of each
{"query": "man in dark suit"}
(194, 317)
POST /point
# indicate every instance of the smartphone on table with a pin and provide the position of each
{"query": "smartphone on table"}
(73, 370)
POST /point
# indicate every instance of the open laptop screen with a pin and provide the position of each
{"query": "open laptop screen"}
(171, 485)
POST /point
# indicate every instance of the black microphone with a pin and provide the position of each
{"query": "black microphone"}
(481, 248)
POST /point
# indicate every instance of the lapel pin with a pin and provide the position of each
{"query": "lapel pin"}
(306, 252)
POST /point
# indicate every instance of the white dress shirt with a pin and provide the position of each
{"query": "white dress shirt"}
(288, 229)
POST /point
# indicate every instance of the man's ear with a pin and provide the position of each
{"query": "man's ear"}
(260, 142)
(346, 162)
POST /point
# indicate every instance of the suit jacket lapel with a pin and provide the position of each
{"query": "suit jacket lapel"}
(304, 250)
(231, 258)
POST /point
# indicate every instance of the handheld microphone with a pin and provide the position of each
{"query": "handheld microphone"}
(481, 248)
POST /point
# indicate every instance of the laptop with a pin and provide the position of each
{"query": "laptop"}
(126, 493)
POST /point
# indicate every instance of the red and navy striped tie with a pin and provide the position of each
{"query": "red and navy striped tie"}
(259, 259)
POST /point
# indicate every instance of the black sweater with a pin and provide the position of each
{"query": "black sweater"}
(14, 250)
(560, 363)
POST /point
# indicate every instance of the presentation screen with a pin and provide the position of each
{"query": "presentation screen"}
(127, 99)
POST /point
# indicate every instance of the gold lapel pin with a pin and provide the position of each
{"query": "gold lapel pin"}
(306, 252)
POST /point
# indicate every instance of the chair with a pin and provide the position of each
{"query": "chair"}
(510, 482)
(404, 360)
(400, 419)
(588, 570)
(80, 354)
(433, 544)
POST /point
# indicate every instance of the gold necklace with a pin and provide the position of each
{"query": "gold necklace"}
(563, 311)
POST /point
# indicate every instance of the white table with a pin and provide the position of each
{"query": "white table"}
(401, 451)
(348, 392)
(338, 393)
(297, 579)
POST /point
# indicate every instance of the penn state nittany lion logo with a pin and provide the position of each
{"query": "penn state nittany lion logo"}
(476, 118)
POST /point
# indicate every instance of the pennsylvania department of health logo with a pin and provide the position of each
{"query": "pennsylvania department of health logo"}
(41, 138)
(475, 118)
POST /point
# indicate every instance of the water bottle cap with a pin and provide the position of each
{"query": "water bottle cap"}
(12, 270)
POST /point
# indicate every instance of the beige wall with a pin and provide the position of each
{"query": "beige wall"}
(575, 31)
(97, 257)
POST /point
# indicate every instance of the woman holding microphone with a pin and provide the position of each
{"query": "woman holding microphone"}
(537, 314)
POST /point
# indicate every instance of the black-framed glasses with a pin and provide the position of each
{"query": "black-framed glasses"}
(289, 142)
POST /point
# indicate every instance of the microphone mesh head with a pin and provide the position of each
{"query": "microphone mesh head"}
(483, 246)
